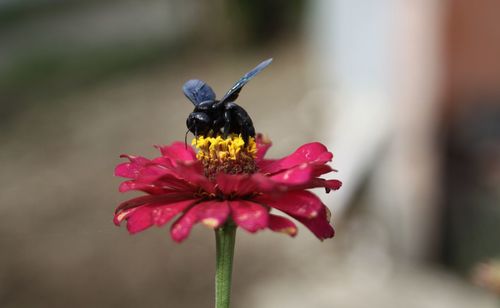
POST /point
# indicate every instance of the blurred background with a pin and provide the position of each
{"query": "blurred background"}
(405, 93)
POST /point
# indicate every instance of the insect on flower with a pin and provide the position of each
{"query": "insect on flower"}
(227, 180)
(226, 183)
(211, 116)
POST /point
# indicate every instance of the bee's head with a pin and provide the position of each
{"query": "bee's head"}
(199, 123)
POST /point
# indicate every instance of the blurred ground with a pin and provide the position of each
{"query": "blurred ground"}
(60, 248)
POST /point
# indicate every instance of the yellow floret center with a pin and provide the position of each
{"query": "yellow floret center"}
(218, 148)
(229, 155)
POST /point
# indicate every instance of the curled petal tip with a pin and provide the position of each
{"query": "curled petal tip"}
(264, 139)
(178, 232)
(116, 220)
(328, 214)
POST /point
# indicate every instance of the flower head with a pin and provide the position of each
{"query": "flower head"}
(227, 180)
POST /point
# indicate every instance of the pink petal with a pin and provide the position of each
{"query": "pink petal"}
(145, 174)
(152, 199)
(263, 144)
(236, 184)
(210, 213)
(248, 215)
(282, 224)
(178, 151)
(333, 184)
(265, 164)
(172, 182)
(319, 170)
(133, 168)
(298, 203)
(193, 173)
(147, 188)
(313, 152)
(327, 184)
(126, 170)
(294, 176)
(185, 176)
(163, 161)
(265, 184)
(141, 218)
(318, 225)
(163, 214)
(122, 215)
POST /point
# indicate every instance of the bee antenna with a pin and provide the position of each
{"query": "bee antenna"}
(186, 138)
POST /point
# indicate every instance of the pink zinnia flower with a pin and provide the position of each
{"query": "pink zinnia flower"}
(227, 181)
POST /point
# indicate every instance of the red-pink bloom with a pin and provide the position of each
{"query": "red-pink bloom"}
(175, 184)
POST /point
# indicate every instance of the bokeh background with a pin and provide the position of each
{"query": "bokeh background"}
(406, 93)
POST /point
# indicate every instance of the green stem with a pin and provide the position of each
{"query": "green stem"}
(224, 240)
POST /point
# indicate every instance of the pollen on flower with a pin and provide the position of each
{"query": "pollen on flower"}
(210, 222)
(292, 231)
(313, 214)
(226, 155)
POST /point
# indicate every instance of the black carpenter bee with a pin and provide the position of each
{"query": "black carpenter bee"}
(211, 116)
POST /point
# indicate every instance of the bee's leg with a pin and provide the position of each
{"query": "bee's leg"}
(245, 133)
(242, 121)
(218, 125)
(185, 139)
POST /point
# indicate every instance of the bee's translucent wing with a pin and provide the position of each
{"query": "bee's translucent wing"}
(198, 91)
(232, 94)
